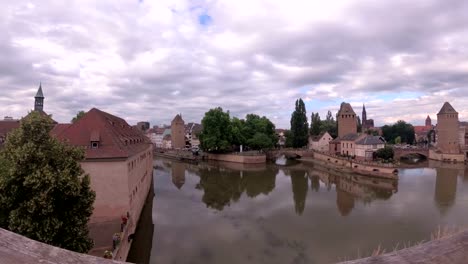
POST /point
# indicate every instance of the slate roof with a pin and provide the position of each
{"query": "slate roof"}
(39, 93)
(447, 108)
(346, 108)
(350, 137)
(370, 140)
(117, 139)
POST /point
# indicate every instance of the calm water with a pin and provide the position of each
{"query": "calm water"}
(228, 213)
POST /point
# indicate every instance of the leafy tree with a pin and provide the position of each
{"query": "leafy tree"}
(260, 141)
(287, 135)
(329, 125)
(400, 128)
(398, 140)
(315, 124)
(44, 193)
(299, 125)
(384, 153)
(237, 128)
(259, 128)
(359, 125)
(216, 135)
(79, 115)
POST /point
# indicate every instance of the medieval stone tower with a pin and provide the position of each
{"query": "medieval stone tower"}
(39, 100)
(428, 121)
(447, 130)
(178, 132)
(347, 120)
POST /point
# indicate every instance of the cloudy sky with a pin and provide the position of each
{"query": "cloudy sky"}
(151, 59)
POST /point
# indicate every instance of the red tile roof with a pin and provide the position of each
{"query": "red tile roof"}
(421, 129)
(117, 139)
(6, 126)
(59, 128)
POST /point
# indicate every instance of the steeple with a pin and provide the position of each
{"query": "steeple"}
(364, 114)
(39, 99)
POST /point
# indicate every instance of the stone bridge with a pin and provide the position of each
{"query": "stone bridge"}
(288, 153)
(401, 152)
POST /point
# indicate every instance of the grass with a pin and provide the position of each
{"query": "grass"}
(439, 233)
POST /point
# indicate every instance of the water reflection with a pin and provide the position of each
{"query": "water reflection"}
(178, 174)
(445, 188)
(299, 187)
(223, 186)
(269, 214)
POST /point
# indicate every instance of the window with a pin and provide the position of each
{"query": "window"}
(94, 144)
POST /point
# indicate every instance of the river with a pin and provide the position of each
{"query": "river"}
(233, 213)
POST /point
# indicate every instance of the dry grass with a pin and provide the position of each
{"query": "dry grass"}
(439, 233)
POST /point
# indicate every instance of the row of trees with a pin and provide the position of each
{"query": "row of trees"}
(221, 133)
(44, 193)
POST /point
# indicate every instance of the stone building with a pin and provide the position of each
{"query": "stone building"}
(447, 130)
(178, 132)
(320, 142)
(347, 120)
(119, 160)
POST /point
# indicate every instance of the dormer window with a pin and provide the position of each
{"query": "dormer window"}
(95, 139)
(94, 144)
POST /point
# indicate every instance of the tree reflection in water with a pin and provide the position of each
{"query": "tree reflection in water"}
(222, 186)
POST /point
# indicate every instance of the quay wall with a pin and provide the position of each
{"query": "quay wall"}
(446, 157)
(357, 166)
(248, 159)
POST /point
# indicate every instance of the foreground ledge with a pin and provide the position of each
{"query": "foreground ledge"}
(17, 249)
(452, 249)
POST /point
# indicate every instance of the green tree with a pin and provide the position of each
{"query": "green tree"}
(287, 135)
(398, 140)
(299, 125)
(79, 115)
(329, 125)
(259, 128)
(237, 128)
(315, 124)
(44, 193)
(384, 153)
(359, 125)
(216, 135)
(400, 128)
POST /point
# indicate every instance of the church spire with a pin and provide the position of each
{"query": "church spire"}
(39, 99)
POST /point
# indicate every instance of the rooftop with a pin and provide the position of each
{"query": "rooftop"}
(117, 139)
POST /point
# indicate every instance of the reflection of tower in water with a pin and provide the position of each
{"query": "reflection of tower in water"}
(445, 189)
(299, 188)
(178, 174)
(344, 201)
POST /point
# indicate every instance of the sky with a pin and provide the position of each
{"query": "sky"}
(149, 60)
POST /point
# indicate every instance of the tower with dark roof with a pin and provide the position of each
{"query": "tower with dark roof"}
(428, 121)
(178, 132)
(447, 130)
(39, 100)
(347, 120)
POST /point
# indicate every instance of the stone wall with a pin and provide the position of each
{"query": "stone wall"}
(249, 159)
(15, 248)
(446, 157)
